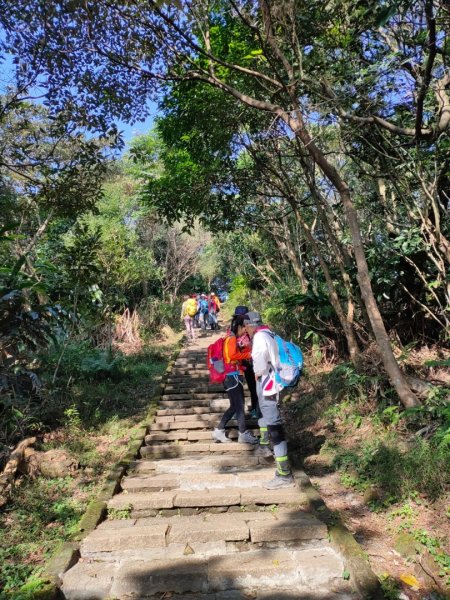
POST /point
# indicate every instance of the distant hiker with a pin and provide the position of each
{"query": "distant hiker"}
(265, 356)
(216, 301)
(213, 309)
(188, 311)
(244, 343)
(234, 386)
(197, 314)
(203, 310)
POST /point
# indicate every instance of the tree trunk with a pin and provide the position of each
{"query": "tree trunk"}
(347, 326)
(286, 247)
(398, 380)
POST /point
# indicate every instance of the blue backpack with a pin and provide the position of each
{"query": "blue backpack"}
(204, 306)
(289, 370)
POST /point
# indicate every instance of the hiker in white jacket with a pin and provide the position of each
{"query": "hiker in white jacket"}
(265, 358)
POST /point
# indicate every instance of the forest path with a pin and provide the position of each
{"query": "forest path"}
(193, 522)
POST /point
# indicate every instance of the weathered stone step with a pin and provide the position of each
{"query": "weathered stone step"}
(214, 405)
(196, 481)
(173, 450)
(191, 361)
(305, 573)
(183, 403)
(233, 434)
(188, 378)
(182, 387)
(194, 373)
(188, 416)
(191, 435)
(206, 498)
(126, 537)
(200, 464)
(188, 395)
(167, 425)
(192, 396)
(192, 410)
(198, 410)
(195, 422)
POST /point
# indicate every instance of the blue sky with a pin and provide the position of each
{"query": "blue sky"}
(129, 131)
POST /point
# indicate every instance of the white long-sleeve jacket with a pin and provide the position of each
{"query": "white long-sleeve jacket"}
(265, 358)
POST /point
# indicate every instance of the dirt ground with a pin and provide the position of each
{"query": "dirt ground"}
(376, 532)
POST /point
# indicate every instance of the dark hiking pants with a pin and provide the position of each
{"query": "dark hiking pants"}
(234, 386)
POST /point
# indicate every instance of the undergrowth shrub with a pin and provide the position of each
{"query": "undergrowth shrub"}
(423, 466)
(356, 386)
(155, 313)
(404, 451)
(38, 517)
(68, 373)
(241, 294)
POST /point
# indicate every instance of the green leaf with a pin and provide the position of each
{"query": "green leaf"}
(253, 54)
(385, 14)
(437, 363)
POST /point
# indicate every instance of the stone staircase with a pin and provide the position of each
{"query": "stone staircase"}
(193, 521)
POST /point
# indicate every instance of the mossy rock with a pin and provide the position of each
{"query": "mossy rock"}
(405, 544)
(45, 591)
(372, 494)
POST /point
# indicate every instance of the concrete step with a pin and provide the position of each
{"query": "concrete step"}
(138, 502)
(312, 574)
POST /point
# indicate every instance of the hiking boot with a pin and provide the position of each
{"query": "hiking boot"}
(218, 435)
(263, 451)
(279, 481)
(247, 438)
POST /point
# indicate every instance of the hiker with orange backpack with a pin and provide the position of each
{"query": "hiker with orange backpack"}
(228, 368)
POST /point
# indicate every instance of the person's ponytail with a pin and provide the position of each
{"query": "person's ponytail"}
(236, 321)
